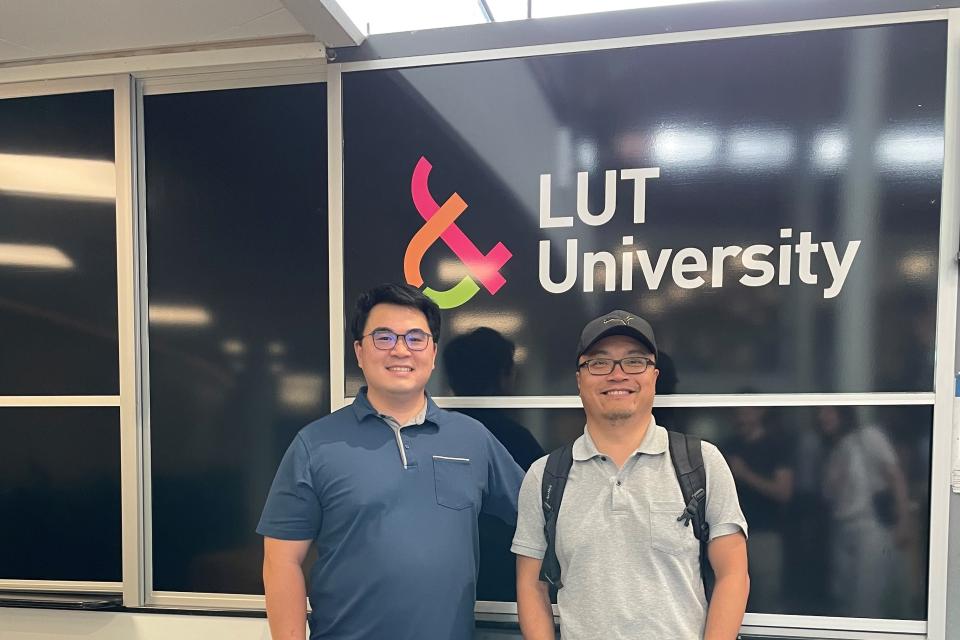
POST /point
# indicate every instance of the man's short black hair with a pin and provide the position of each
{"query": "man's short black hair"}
(399, 294)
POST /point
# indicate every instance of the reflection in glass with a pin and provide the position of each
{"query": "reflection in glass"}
(770, 233)
(481, 363)
(60, 493)
(237, 227)
(58, 259)
(836, 498)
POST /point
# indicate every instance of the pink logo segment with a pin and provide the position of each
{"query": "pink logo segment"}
(485, 268)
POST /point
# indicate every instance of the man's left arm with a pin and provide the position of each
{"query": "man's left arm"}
(727, 549)
(728, 557)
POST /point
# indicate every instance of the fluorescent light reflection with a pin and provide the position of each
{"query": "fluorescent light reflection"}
(505, 322)
(52, 177)
(756, 150)
(830, 149)
(233, 347)
(685, 146)
(913, 148)
(301, 391)
(179, 315)
(35, 256)
(918, 265)
(451, 270)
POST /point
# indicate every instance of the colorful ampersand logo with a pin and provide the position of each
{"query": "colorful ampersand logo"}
(441, 224)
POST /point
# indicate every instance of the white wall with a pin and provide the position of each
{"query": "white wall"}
(47, 624)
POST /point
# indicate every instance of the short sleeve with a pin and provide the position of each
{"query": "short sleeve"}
(529, 539)
(723, 506)
(292, 510)
(504, 477)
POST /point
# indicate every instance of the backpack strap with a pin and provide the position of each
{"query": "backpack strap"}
(687, 457)
(551, 490)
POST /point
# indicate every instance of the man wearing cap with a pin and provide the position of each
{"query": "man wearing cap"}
(630, 568)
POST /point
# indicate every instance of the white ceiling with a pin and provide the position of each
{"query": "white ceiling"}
(42, 29)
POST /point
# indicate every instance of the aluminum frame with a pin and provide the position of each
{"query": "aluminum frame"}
(186, 81)
(135, 429)
(131, 442)
(59, 401)
(167, 61)
(122, 400)
(64, 586)
(943, 427)
(695, 400)
(934, 627)
(641, 41)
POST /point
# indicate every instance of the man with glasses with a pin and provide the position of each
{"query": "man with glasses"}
(389, 489)
(630, 567)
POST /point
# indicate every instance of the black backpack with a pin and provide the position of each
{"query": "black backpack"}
(687, 460)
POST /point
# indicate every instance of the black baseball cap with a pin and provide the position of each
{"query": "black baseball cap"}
(617, 323)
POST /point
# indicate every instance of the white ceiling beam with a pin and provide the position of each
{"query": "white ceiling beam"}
(327, 21)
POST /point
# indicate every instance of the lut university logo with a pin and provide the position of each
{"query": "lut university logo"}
(441, 224)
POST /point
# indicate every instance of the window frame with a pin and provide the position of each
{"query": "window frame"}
(133, 77)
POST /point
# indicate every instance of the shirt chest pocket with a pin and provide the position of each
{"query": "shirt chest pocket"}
(669, 535)
(454, 482)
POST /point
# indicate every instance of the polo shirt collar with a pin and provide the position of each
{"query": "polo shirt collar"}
(362, 408)
(654, 442)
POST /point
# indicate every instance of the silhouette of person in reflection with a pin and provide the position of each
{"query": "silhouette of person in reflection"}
(667, 383)
(865, 491)
(480, 363)
(759, 461)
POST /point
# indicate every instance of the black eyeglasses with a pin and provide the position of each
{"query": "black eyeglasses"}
(604, 366)
(385, 340)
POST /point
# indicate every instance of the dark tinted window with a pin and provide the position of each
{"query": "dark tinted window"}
(60, 493)
(836, 499)
(58, 257)
(812, 150)
(237, 237)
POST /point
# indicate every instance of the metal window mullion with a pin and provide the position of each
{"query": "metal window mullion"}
(162, 61)
(143, 350)
(33, 89)
(131, 470)
(223, 79)
(61, 586)
(335, 233)
(945, 348)
(696, 400)
(701, 35)
(59, 401)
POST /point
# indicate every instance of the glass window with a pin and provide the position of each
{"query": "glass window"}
(60, 493)
(770, 211)
(836, 500)
(58, 256)
(239, 324)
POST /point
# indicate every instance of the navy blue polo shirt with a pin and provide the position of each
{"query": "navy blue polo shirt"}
(397, 545)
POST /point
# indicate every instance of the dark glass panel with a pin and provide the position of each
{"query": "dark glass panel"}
(60, 493)
(836, 499)
(58, 256)
(822, 150)
(237, 235)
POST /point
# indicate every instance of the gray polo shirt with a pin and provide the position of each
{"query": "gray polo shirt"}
(630, 570)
